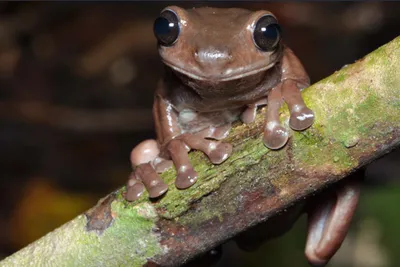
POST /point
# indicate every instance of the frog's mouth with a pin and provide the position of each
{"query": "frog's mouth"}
(219, 77)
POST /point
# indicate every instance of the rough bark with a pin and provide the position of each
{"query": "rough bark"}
(357, 120)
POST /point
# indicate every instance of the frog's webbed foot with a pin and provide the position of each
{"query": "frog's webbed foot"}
(145, 159)
(178, 149)
(275, 134)
(216, 151)
(301, 117)
(161, 164)
(329, 221)
(217, 133)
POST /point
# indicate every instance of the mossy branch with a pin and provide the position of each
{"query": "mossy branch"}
(357, 120)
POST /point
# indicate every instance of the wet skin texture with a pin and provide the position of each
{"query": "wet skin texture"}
(220, 65)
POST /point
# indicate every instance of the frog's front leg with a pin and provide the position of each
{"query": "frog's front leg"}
(147, 155)
(275, 134)
(175, 145)
(294, 79)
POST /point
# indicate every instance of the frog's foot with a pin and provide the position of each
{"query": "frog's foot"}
(145, 160)
(134, 188)
(186, 176)
(178, 149)
(301, 117)
(143, 177)
(216, 151)
(275, 134)
(249, 114)
(329, 221)
(151, 180)
(161, 164)
(217, 133)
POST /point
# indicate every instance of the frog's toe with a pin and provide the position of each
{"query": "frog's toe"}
(158, 189)
(186, 177)
(275, 135)
(216, 151)
(161, 165)
(221, 132)
(134, 189)
(219, 152)
(301, 117)
(217, 133)
(151, 180)
(249, 115)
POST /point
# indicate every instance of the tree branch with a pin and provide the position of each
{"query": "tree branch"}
(357, 120)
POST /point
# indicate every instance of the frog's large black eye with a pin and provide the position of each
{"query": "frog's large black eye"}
(267, 33)
(166, 28)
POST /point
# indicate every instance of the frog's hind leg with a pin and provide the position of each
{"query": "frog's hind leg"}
(143, 157)
(275, 134)
(328, 222)
(301, 117)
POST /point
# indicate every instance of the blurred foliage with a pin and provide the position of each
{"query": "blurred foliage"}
(76, 89)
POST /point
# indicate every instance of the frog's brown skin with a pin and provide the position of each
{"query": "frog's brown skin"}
(214, 75)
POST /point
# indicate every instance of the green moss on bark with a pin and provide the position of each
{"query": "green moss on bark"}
(129, 241)
(357, 113)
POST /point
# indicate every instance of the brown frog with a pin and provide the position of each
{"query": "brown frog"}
(220, 65)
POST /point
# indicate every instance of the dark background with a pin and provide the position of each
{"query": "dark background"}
(76, 90)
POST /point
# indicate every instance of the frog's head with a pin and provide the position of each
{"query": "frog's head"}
(215, 44)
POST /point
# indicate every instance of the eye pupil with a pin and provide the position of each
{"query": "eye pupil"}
(271, 32)
(267, 33)
(166, 28)
(161, 26)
